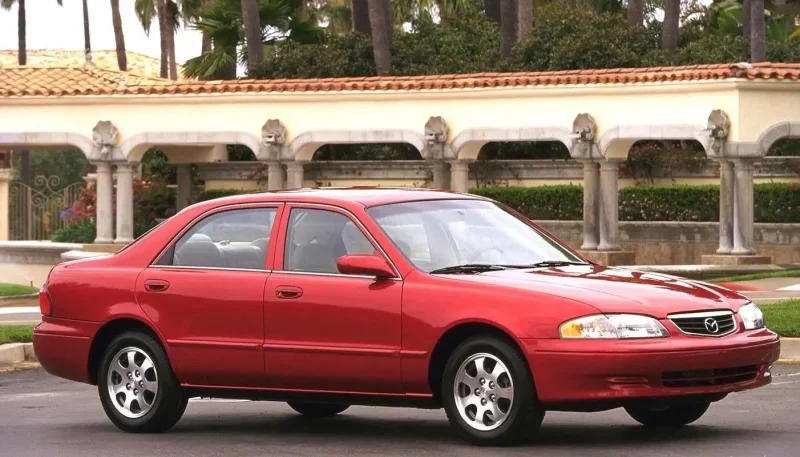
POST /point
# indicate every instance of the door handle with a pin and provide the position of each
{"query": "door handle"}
(288, 292)
(156, 285)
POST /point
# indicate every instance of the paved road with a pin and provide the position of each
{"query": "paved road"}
(43, 415)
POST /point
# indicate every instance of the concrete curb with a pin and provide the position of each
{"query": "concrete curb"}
(16, 352)
(20, 300)
(790, 348)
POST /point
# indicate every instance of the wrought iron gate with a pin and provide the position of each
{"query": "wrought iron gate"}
(35, 211)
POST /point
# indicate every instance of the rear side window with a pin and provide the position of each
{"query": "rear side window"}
(236, 239)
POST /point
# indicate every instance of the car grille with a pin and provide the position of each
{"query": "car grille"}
(710, 323)
(713, 377)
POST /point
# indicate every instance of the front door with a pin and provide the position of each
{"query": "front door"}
(205, 295)
(326, 331)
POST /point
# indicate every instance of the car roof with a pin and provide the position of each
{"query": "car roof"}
(345, 196)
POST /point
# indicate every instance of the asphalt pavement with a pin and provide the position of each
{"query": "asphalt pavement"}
(43, 415)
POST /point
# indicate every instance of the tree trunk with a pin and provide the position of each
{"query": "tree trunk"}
(669, 34)
(119, 37)
(746, 20)
(172, 12)
(492, 9)
(162, 30)
(87, 39)
(360, 19)
(757, 25)
(525, 26)
(22, 54)
(205, 45)
(509, 24)
(381, 36)
(387, 11)
(252, 34)
(636, 13)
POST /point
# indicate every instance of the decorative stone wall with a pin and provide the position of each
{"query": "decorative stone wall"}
(683, 243)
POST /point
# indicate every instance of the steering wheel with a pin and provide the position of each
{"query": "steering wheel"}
(476, 256)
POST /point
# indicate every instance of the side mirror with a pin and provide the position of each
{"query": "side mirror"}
(364, 265)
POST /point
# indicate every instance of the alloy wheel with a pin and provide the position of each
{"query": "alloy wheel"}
(132, 382)
(483, 391)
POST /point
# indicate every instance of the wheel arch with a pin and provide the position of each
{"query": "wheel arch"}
(108, 332)
(458, 333)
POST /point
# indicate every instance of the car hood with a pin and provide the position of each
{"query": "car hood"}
(616, 290)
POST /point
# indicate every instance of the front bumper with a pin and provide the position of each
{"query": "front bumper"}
(574, 371)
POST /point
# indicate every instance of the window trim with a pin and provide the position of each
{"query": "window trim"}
(278, 206)
(284, 234)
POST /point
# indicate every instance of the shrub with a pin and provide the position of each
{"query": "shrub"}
(540, 203)
(82, 231)
(773, 203)
(211, 194)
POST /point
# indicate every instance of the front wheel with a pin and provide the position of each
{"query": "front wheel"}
(317, 410)
(489, 395)
(137, 387)
(672, 416)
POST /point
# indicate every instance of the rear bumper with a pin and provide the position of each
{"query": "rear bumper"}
(62, 347)
(569, 371)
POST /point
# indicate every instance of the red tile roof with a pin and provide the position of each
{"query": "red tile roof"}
(50, 81)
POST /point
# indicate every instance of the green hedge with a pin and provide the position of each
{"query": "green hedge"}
(774, 202)
(211, 194)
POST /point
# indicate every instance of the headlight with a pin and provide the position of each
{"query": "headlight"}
(752, 317)
(613, 326)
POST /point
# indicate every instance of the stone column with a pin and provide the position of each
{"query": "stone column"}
(105, 192)
(591, 206)
(726, 202)
(294, 174)
(743, 241)
(440, 180)
(609, 206)
(275, 175)
(6, 175)
(124, 203)
(459, 175)
(184, 192)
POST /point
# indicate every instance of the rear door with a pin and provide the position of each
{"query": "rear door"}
(205, 295)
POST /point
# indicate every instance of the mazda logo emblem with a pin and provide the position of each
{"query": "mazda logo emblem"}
(711, 325)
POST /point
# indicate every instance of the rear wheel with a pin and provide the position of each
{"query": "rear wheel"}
(317, 409)
(489, 395)
(672, 416)
(137, 387)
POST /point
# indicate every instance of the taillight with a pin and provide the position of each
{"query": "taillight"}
(45, 305)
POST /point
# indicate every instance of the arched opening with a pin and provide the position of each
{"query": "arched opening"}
(667, 162)
(368, 164)
(524, 163)
(47, 185)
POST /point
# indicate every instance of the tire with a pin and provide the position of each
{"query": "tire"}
(673, 416)
(317, 410)
(521, 414)
(159, 401)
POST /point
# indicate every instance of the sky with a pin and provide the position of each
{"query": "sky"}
(61, 27)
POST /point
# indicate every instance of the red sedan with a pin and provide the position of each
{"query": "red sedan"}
(330, 298)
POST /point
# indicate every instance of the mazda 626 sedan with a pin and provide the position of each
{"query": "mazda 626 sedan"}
(330, 298)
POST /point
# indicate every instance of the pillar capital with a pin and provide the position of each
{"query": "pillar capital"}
(295, 165)
(744, 163)
(460, 165)
(610, 164)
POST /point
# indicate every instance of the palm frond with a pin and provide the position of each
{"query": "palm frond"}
(209, 64)
(145, 11)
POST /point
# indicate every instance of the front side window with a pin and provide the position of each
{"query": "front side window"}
(235, 239)
(437, 234)
(315, 239)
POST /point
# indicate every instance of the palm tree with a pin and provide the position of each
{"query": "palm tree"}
(252, 33)
(222, 21)
(119, 37)
(757, 26)
(509, 26)
(746, 22)
(170, 25)
(669, 34)
(87, 40)
(360, 17)
(636, 13)
(525, 26)
(492, 9)
(381, 35)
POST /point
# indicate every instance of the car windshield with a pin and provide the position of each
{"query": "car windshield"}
(437, 234)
